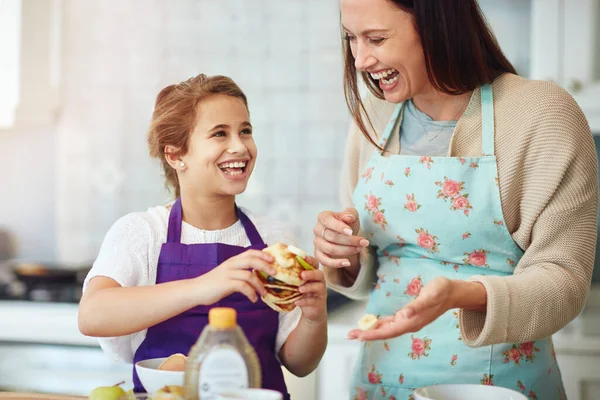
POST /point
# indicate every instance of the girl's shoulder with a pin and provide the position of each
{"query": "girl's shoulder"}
(272, 230)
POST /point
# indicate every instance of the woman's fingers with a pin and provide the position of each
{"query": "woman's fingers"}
(332, 221)
(327, 261)
(333, 249)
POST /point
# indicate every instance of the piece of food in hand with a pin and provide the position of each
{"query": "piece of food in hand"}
(170, 392)
(282, 288)
(108, 392)
(367, 322)
(175, 362)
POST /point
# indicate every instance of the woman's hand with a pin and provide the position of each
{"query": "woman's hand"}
(235, 275)
(314, 294)
(335, 242)
(436, 297)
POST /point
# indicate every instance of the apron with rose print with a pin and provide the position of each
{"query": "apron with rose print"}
(440, 216)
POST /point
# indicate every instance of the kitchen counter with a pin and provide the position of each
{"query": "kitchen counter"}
(36, 396)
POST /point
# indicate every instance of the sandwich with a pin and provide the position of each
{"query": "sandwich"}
(282, 288)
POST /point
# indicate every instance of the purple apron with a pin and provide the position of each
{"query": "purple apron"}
(178, 334)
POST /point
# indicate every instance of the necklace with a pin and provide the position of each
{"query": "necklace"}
(447, 124)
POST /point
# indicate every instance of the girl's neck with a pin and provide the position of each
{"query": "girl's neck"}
(209, 214)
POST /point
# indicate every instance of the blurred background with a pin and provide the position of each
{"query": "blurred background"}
(78, 79)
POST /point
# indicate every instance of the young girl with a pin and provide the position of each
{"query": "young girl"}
(160, 271)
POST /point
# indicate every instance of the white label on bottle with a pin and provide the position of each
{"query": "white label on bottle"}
(223, 369)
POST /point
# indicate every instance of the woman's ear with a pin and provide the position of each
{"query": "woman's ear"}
(173, 157)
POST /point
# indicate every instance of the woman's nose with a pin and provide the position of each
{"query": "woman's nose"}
(362, 58)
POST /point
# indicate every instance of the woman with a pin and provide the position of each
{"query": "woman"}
(159, 272)
(471, 204)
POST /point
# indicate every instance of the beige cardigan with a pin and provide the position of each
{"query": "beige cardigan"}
(547, 168)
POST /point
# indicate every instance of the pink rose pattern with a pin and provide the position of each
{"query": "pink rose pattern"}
(374, 377)
(368, 174)
(372, 206)
(427, 161)
(524, 351)
(419, 347)
(411, 203)
(414, 287)
(427, 241)
(452, 191)
(477, 258)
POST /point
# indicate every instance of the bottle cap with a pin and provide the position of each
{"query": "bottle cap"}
(222, 317)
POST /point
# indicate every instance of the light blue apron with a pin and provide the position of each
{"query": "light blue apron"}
(440, 216)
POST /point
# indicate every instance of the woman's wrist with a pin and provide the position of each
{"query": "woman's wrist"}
(468, 295)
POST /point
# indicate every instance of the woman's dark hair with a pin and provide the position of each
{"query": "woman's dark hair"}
(461, 52)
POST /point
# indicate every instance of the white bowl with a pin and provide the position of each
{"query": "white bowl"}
(154, 379)
(250, 394)
(466, 392)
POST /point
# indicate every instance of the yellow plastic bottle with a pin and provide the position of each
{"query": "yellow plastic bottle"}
(222, 359)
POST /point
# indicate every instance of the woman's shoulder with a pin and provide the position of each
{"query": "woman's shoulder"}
(539, 106)
(510, 89)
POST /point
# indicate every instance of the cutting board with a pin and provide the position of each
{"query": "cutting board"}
(36, 396)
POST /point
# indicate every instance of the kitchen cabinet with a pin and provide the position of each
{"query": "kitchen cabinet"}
(565, 48)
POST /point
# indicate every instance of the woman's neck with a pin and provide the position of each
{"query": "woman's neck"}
(441, 106)
(209, 214)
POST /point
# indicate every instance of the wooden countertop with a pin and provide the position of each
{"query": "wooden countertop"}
(36, 396)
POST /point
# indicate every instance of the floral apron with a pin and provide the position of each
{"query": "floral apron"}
(440, 216)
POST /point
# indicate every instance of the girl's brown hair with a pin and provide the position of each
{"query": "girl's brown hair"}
(461, 52)
(176, 114)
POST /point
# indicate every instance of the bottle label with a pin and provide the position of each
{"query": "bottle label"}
(223, 369)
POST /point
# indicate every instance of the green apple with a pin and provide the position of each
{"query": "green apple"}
(107, 393)
(304, 264)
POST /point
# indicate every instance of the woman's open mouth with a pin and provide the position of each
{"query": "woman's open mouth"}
(387, 79)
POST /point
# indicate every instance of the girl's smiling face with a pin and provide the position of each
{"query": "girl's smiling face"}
(222, 152)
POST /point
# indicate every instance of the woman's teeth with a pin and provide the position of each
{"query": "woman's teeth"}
(383, 74)
(389, 82)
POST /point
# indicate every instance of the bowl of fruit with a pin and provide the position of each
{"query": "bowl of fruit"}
(157, 373)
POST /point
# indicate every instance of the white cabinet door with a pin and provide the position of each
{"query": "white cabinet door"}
(565, 48)
(336, 369)
(581, 376)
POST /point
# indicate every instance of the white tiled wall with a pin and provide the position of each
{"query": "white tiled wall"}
(119, 54)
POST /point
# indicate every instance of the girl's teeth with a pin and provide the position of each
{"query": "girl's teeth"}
(229, 172)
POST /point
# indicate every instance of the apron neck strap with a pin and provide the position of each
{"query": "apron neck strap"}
(175, 218)
(487, 120)
(249, 227)
(391, 125)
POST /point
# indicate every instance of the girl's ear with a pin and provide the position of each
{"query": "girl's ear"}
(173, 157)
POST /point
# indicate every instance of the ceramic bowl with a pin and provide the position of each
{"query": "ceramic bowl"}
(154, 379)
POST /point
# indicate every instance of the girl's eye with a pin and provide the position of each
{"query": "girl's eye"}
(219, 134)
(247, 131)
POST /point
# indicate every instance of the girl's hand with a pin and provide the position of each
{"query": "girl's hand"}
(435, 299)
(235, 275)
(314, 294)
(335, 238)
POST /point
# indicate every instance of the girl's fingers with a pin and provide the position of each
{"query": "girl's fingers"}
(250, 278)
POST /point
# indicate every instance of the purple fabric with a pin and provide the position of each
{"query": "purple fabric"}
(178, 334)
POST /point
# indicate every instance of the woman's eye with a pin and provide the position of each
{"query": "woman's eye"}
(376, 40)
(349, 38)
